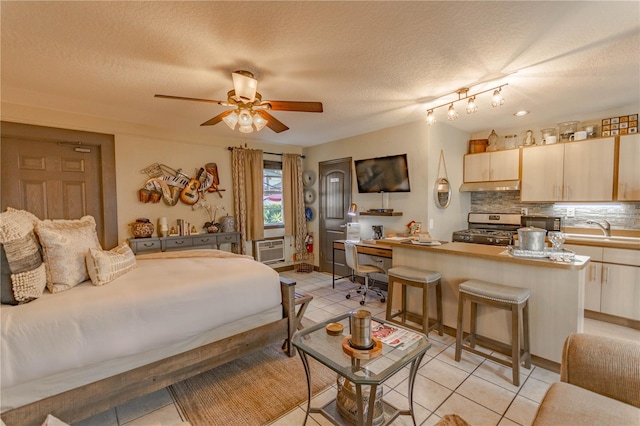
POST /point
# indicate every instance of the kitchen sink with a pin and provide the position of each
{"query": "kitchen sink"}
(601, 238)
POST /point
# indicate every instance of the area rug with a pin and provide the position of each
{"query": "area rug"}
(252, 390)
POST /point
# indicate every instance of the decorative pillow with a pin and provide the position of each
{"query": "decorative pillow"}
(23, 273)
(65, 243)
(106, 266)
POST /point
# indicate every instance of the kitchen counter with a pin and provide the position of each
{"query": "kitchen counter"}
(557, 290)
(489, 252)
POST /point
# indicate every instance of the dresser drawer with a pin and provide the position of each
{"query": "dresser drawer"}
(228, 238)
(205, 240)
(178, 243)
(145, 245)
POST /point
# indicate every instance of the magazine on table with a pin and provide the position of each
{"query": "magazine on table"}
(398, 338)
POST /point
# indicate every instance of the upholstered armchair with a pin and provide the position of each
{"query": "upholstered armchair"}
(599, 384)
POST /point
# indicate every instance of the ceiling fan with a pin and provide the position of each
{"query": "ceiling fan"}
(249, 109)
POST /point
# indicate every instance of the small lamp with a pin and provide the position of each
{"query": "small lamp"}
(353, 209)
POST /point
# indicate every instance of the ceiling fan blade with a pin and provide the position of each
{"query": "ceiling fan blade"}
(272, 122)
(295, 106)
(182, 98)
(218, 118)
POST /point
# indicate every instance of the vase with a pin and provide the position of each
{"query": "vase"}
(228, 223)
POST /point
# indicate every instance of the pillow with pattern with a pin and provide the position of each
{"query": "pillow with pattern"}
(65, 244)
(23, 272)
(106, 266)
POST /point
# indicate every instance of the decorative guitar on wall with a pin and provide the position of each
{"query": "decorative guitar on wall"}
(189, 194)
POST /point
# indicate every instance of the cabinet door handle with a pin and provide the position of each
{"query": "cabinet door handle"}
(592, 271)
(605, 275)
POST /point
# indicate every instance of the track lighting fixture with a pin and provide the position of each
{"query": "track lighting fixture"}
(497, 97)
(452, 114)
(472, 105)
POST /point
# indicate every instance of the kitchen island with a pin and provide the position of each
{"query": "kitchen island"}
(557, 290)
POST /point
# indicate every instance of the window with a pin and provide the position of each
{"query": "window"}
(272, 194)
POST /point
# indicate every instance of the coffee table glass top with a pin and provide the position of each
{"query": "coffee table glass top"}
(328, 349)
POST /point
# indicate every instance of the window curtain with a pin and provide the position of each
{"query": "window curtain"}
(246, 170)
(295, 223)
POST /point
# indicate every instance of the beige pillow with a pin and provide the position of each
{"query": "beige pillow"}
(22, 273)
(65, 243)
(106, 266)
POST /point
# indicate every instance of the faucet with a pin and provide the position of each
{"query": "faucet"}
(606, 227)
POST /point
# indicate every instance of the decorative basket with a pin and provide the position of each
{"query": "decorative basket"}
(141, 229)
(348, 407)
(303, 262)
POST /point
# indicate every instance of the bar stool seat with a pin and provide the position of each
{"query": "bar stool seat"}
(514, 299)
(419, 278)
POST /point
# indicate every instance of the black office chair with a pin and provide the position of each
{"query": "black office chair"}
(351, 255)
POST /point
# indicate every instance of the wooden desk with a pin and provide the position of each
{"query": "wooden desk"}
(380, 250)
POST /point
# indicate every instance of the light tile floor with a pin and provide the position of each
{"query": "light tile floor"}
(478, 390)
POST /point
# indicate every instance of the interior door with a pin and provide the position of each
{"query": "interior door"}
(334, 200)
(54, 175)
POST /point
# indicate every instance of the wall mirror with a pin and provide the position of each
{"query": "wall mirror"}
(442, 188)
(442, 193)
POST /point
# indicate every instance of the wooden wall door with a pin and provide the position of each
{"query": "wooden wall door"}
(58, 178)
(334, 200)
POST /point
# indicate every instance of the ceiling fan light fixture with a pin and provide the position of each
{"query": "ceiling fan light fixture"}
(245, 86)
(259, 121)
(244, 118)
(231, 120)
(245, 129)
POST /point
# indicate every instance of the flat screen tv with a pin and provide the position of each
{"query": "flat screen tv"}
(383, 174)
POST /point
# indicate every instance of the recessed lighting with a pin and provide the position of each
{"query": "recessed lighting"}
(521, 113)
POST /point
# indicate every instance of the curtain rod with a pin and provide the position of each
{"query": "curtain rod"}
(230, 148)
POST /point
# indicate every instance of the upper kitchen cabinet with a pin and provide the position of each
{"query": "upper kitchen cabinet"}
(492, 166)
(628, 170)
(573, 171)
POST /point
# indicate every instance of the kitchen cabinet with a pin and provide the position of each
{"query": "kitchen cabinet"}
(628, 170)
(571, 171)
(612, 284)
(492, 166)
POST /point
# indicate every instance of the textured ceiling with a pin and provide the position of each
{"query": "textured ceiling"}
(372, 64)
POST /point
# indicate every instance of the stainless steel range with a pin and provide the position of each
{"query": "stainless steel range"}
(489, 228)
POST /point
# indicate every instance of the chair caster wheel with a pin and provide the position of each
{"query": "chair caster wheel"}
(358, 291)
(348, 296)
(383, 300)
(362, 302)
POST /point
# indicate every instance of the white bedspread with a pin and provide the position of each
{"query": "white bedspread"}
(161, 302)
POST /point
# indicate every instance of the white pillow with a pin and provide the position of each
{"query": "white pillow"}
(65, 243)
(106, 266)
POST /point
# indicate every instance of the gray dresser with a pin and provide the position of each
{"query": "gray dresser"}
(187, 242)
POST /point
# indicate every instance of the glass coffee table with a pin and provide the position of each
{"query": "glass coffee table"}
(368, 369)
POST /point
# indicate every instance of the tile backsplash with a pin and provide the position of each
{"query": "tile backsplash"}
(619, 215)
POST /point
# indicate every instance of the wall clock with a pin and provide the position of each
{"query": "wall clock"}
(308, 178)
(309, 196)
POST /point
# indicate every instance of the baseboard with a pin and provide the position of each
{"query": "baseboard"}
(612, 319)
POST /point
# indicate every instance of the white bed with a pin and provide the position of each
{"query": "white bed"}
(166, 310)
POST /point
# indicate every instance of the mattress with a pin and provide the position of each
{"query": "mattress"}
(161, 308)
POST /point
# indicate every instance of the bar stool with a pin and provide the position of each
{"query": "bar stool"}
(414, 277)
(514, 299)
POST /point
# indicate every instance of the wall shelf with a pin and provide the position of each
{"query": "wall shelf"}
(380, 214)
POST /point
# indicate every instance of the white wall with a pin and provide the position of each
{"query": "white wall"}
(422, 144)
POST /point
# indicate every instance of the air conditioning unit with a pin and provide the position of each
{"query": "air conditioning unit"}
(270, 251)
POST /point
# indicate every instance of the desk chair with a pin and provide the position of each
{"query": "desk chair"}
(351, 255)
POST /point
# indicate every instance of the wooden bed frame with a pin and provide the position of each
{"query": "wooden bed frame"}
(85, 401)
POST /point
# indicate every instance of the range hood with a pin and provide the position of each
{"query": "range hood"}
(498, 185)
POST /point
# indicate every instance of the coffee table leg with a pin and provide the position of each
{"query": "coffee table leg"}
(307, 371)
(415, 364)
